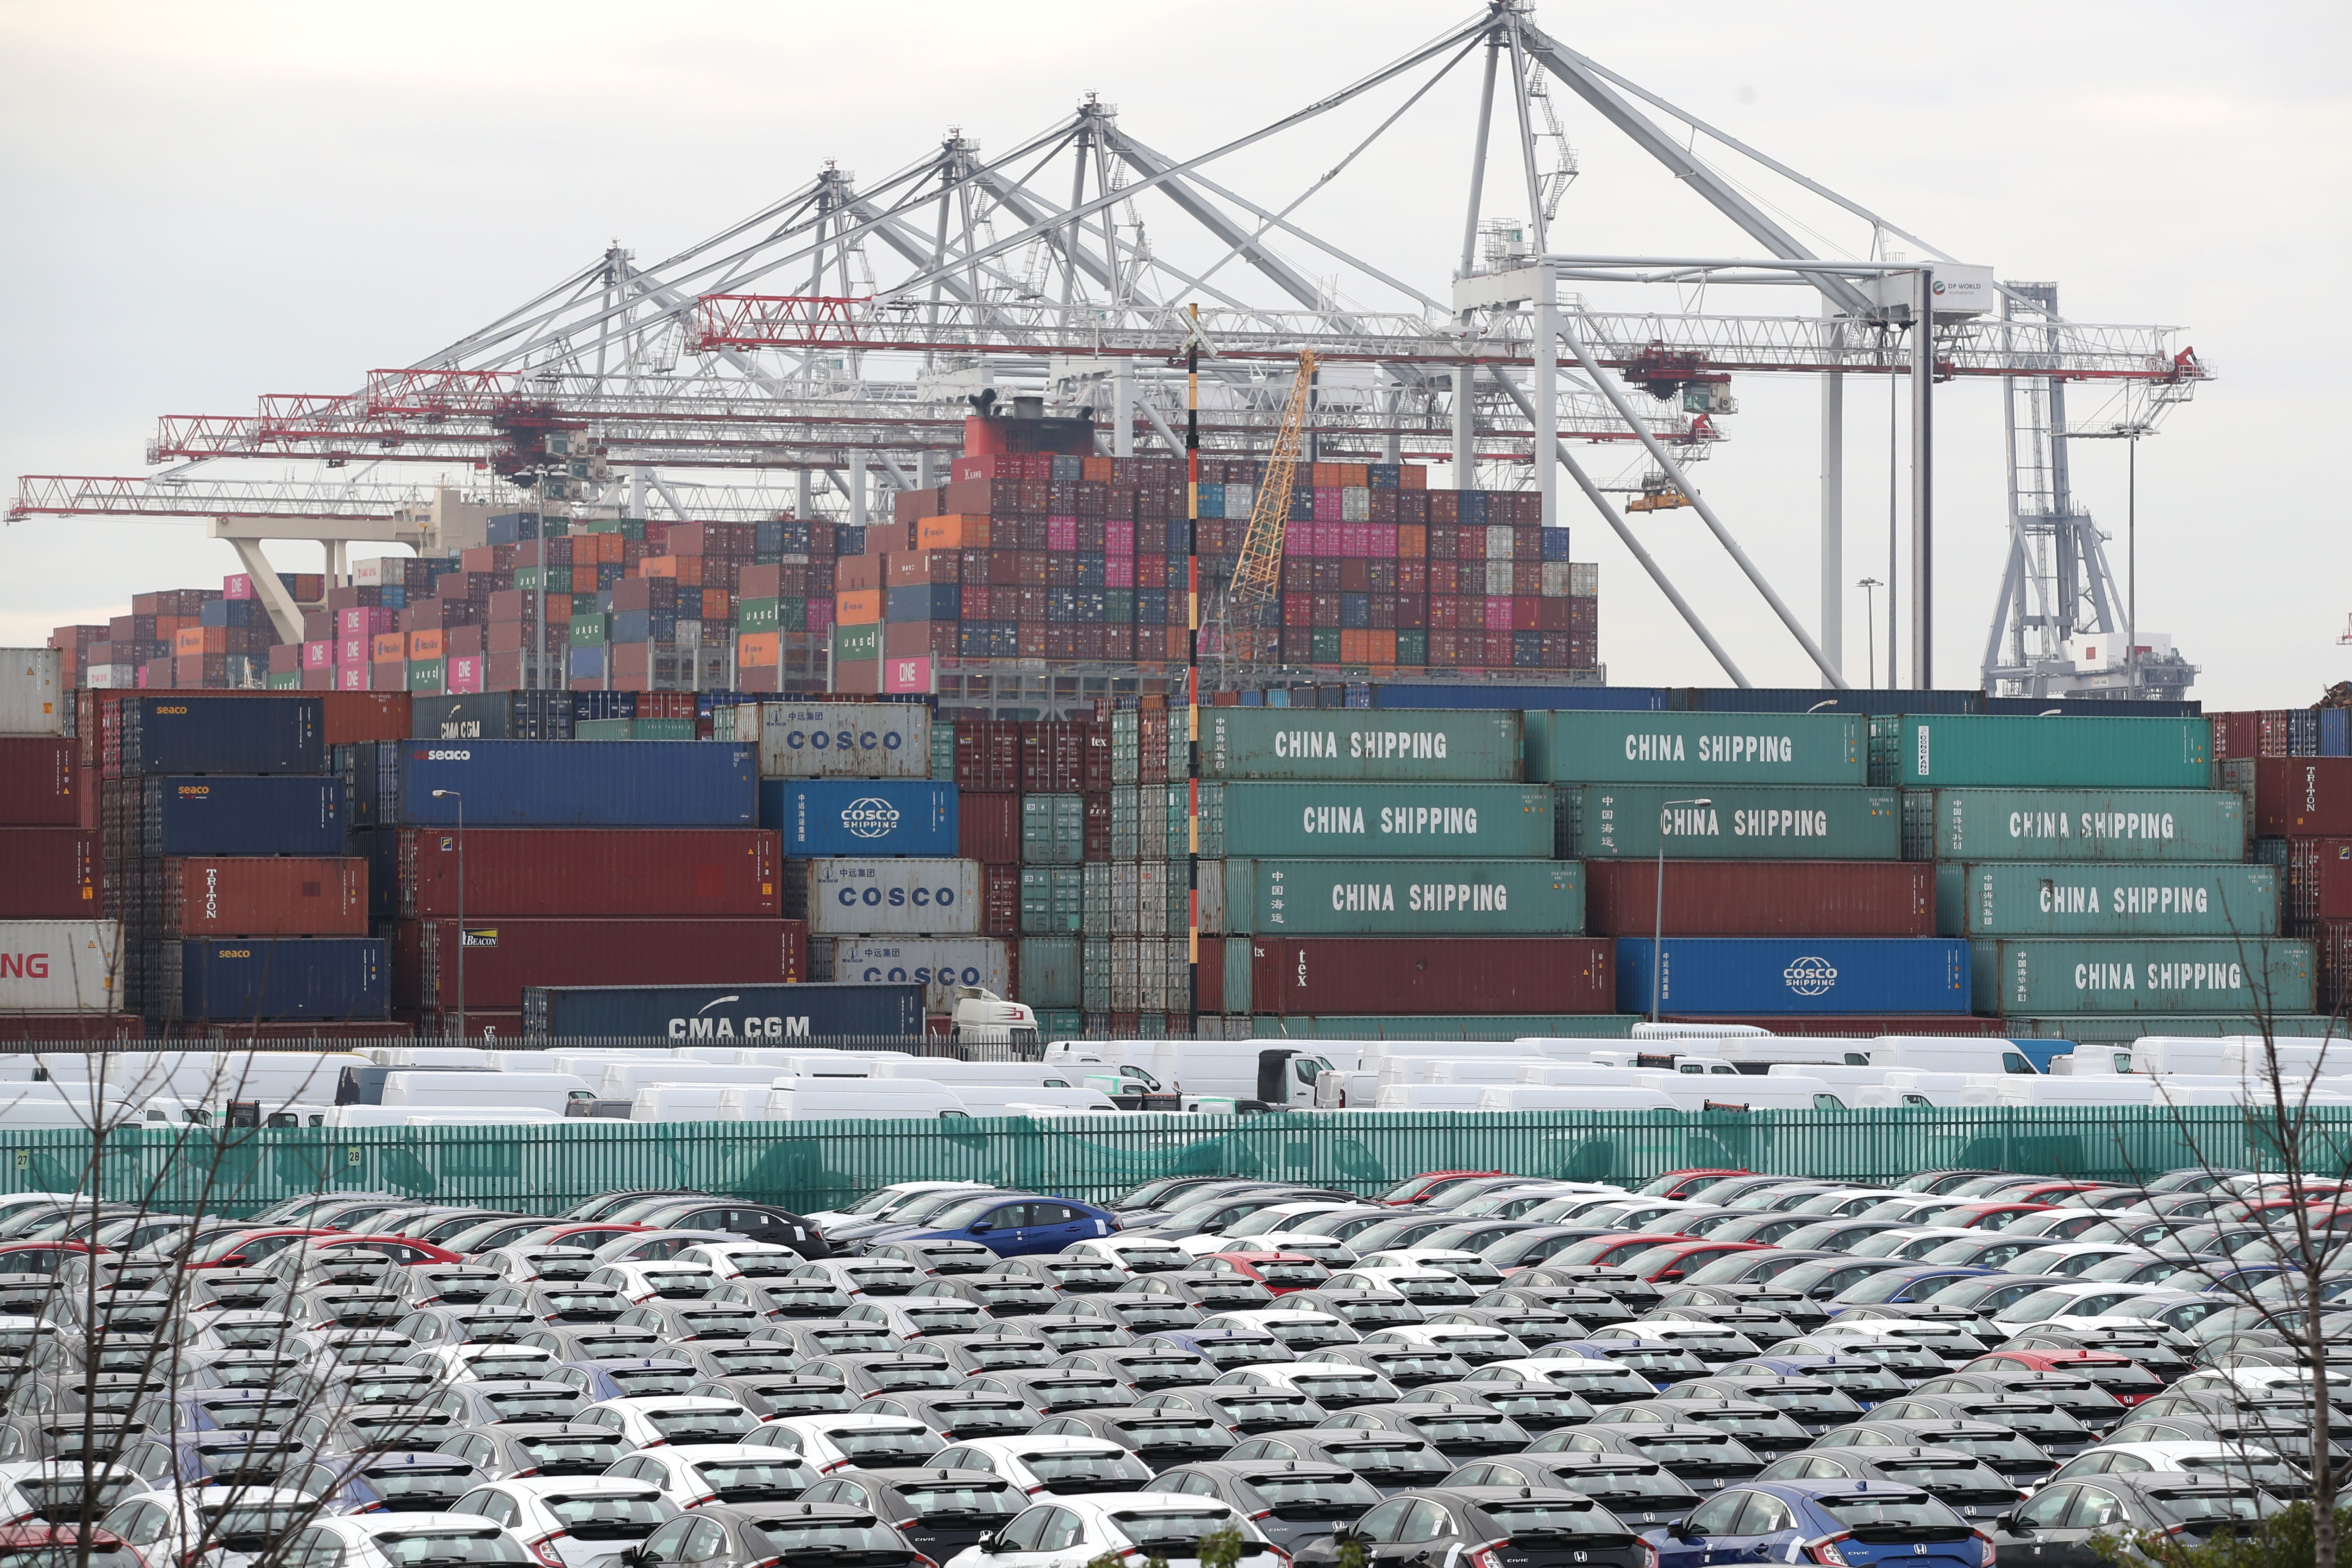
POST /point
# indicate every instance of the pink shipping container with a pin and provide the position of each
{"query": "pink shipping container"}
(236, 585)
(318, 655)
(366, 621)
(634, 871)
(2303, 797)
(504, 956)
(351, 651)
(351, 678)
(1762, 898)
(463, 674)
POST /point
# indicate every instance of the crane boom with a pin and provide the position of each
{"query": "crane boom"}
(1257, 574)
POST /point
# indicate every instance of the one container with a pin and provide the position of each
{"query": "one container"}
(844, 741)
(50, 874)
(37, 783)
(1387, 821)
(242, 979)
(503, 957)
(562, 783)
(2179, 975)
(1390, 898)
(1276, 975)
(1605, 747)
(860, 816)
(708, 872)
(262, 895)
(1052, 829)
(2303, 797)
(1769, 975)
(1050, 973)
(1739, 822)
(937, 963)
(2073, 824)
(60, 966)
(2014, 898)
(867, 897)
(1407, 745)
(223, 814)
(32, 699)
(1761, 898)
(2057, 752)
(180, 733)
(493, 715)
(756, 1013)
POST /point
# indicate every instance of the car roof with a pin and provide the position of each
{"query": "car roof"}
(540, 1486)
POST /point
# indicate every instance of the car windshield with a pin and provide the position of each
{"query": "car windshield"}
(656, 1380)
(1529, 1404)
(757, 1480)
(938, 1502)
(955, 1215)
(1373, 1456)
(569, 1454)
(251, 1528)
(993, 1355)
(2208, 1509)
(883, 1444)
(898, 1376)
(432, 1549)
(64, 1500)
(750, 1360)
(1088, 1472)
(1613, 1485)
(836, 1541)
(1878, 1519)
(703, 1426)
(1166, 1528)
(1671, 1447)
(627, 1516)
(1945, 1478)
(1871, 1382)
(1591, 1525)
(1466, 1430)
(1292, 1496)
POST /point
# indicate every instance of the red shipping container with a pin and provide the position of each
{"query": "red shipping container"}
(709, 873)
(2318, 883)
(2303, 797)
(987, 755)
(1000, 905)
(988, 827)
(80, 1028)
(502, 956)
(490, 1027)
(38, 781)
(2332, 939)
(1098, 818)
(263, 895)
(51, 873)
(1432, 974)
(1762, 898)
(1054, 754)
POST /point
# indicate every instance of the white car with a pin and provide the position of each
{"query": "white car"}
(910, 1318)
(653, 1420)
(1245, 1234)
(1070, 1533)
(1710, 1342)
(2264, 1383)
(692, 1474)
(399, 1540)
(2069, 1259)
(578, 1522)
(1468, 1266)
(860, 1277)
(1473, 1343)
(878, 1204)
(837, 1442)
(2128, 1330)
(526, 1265)
(1039, 1463)
(32, 1489)
(2074, 1297)
(2237, 1461)
(238, 1524)
(741, 1259)
(1333, 1385)
(1302, 1331)
(1136, 1254)
(491, 1362)
(1422, 1287)
(667, 1281)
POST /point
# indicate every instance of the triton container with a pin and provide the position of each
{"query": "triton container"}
(844, 741)
(558, 784)
(1570, 747)
(261, 895)
(60, 966)
(1387, 821)
(1761, 898)
(2056, 752)
(223, 814)
(937, 963)
(757, 1014)
(860, 816)
(1739, 821)
(2059, 899)
(1764, 976)
(186, 734)
(861, 897)
(1402, 745)
(1392, 898)
(2184, 975)
(584, 871)
(244, 980)
(1277, 975)
(2073, 824)
(2303, 797)
(502, 956)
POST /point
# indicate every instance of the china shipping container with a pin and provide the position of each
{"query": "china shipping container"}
(1389, 898)
(1733, 821)
(758, 1014)
(182, 734)
(504, 957)
(1417, 745)
(262, 895)
(1050, 975)
(2303, 797)
(706, 872)
(854, 896)
(1276, 974)
(32, 698)
(2073, 824)
(2024, 898)
(844, 741)
(860, 816)
(493, 715)
(241, 979)
(223, 814)
(2319, 881)
(2174, 975)
(61, 966)
(38, 781)
(937, 963)
(1569, 747)
(556, 784)
(49, 873)
(1387, 822)
(988, 828)
(1771, 974)
(2057, 752)
(1761, 898)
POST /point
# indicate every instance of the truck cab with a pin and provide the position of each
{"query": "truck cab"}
(984, 1017)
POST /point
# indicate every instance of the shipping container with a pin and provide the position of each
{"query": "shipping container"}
(71, 1029)
(2073, 824)
(759, 1014)
(32, 696)
(1052, 901)
(493, 715)
(988, 827)
(1410, 746)
(223, 814)
(2319, 881)
(1387, 821)
(38, 781)
(502, 958)
(49, 873)
(1416, 694)
(1050, 975)
(860, 816)
(262, 895)
(1761, 898)
(1501, 1028)
(1589, 747)
(2014, 898)
(2176, 975)
(937, 963)
(557, 784)
(637, 872)
(2056, 752)
(238, 979)
(1856, 1026)
(1736, 821)
(844, 741)
(1052, 829)
(2092, 1030)
(1276, 974)
(182, 734)
(1386, 898)
(61, 966)
(1773, 975)
(863, 897)
(2303, 797)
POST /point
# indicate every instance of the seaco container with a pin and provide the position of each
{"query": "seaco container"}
(1391, 898)
(860, 816)
(184, 734)
(2177, 974)
(1402, 745)
(223, 814)
(49, 873)
(502, 956)
(559, 784)
(32, 701)
(937, 963)
(759, 1013)
(2024, 898)
(582, 871)
(60, 966)
(1761, 898)
(2073, 824)
(844, 741)
(1276, 975)
(38, 783)
(846, 897)
(1588, 747)
(493, 715)
(244, 980)
(1769, 975)
(1737, 821)
(1383, 822)
(2303, 797)
(262, 895)
(2056, 752)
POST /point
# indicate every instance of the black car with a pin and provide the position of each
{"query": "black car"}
(959, 1415)
(1159, 1438)
(1362, 1311)
(897, 1372)
(1597, 1383)
(2054, 1530)
(1707, 1458)
(2038, 1421)
(1960, 1482)
(1810, 1403)
(1291, 1501)
(1001, 1295)
(2078, 1397)
(1460, 1432)
(1246, 1410)
(771, 1394)
(1392, 1461)
(1053, 1393)
(2017, 1459)
(1766, 1432)
(751, 1221)
(736, 1536)
(1642, 1492)
(1146, 1368)
(1537, 1407)
(949, 1511)
(1550, 1528)
(1629, 1291)
(1301, 1334)
(1137, 1314)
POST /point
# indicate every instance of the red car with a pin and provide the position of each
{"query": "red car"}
(1609, 1251)
(401, 1248)
(1428, 1185)
(1681, 1184)
(1670, 1261)
(2126, 1379)
(251, 1249)
(62, 1545)
(1280, 1272)
(1992, 1214)
(587, 1235)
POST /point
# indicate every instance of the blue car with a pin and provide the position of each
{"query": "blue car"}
(1902, 1285)
(1010, 1224)
(1663, 1362)
(1841, 1523)
(1864, 1382)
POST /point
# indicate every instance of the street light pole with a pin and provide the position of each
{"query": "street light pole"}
(1658, 929)
(1869, 624)
(459, 796)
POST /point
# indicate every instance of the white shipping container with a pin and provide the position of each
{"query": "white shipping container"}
(30, 700)
(891, 897)
(937, 963)
(844, 741)
(60, 966)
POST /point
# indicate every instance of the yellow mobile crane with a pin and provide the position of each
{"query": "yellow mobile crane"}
(1257, 573)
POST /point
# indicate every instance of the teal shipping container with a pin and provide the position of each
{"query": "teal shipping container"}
(1739, 821)
(1053, 830)
(1501, 1027)
(2098, 1030)
(2074, 825)
(2052, 751)
(2184, 975)
(1052, 901)
(1365, 745)
(1386, 821)
(1050, 975)
(1149, 821)
(2025, 898)
(1392, 898)
(1585, 747)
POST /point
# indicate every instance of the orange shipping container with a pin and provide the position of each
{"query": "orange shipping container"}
(759, 650)
(200, 640)
(852, 571)
(1413, 541)
(954, 531)
(659, 565)
(1383, 650)
(583, 578)
(426, 643)
(860, 607)
(388, 646)
(1415, 477)
(714, 605)
(1355, 647)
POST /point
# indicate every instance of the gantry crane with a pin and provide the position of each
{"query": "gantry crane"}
(1258, 567)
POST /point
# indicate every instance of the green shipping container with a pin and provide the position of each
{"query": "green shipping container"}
(1501, 1027)
(1052, 901)
(1095, 974)
(633, 729)
(2074, 825)
(2021, 898)
(426, 676)
(1567, 745)
(755, 615)
(1741, 822)
(285, 681)
(1053, 830)
(2184, 975)
(588, 629)
(857, 644)
(1387, 822)
(1365, 745)
(1392, 898)
(2089, 1031)
(1096, 921)
(1050, 974)
(2056, 751)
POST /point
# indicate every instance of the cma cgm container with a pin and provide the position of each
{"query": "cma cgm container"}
(1402, 745)
(937, 963)
(1587, 747)
(38, 783)
(223, 814)
(2015, 898)
(2180, 974)
(860, 897)
(2303, 797)
(263, 895)
(185, 734)
(60, 966)
(1739, 822)
(242, 979)
(1277, 975)
(503, 957)
(580, 871)
(2073, 824)
(47, 873)
(1392, 898)
(757, 1013)
(493, 715)
(1761, 898)
(1385, 821)
(560, 783)
(2058, 751)
(860, 816)
(1757, 976)
(844, 741)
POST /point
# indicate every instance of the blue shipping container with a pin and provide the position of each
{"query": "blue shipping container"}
(223, 735)
(220, 814)
(1738, 975)
(861, 816)
(568, 783)
(241, 979)
(723, 1012)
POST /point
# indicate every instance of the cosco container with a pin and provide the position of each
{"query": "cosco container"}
(2176, 975)
(559, 784)
(38, 781)
(493, 715)
(186, 734)
(1050, 973)
(1387, 822)
(60, 966)
(862, 897)
(844, 741)
(2013, 898)
(860, 816)
(503, 957)
(1602, 748)
(1324, 975)
(245, 980)
(1771, 975)
(262, 895)
(937, 963)
(223, 814)
(50, 874)
(1737, 821)
(634, 871)
(1761, 898)
(2056, 752)
(2303, 797)
(1400, 745)
(759, 1014)
(2073, 824)
(1387, 898)
(31, 700)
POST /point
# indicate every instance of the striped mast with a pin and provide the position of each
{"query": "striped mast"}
(1193, 673)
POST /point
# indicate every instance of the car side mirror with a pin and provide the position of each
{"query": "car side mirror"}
(635, 1557)
(979, 1226)
(988, 1542)
(1681, 1531)
(2011, 1523)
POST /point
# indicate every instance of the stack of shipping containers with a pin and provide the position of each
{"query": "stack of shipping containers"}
(60, 962)
(2292, 768)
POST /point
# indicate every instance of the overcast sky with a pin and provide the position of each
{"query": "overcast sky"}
(208, 203)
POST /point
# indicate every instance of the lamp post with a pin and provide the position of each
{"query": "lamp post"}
(1658, 931)
(1869, 624)
(459, 796)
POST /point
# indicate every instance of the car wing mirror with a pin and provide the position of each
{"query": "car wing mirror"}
(988, 1542)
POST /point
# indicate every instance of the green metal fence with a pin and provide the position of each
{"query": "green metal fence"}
(806, 1166)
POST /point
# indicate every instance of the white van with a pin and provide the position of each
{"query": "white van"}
(440, 1116)
(947, 1069)
(831, 1100)
(1591, 1097)
(622, 1080)
(428, 1089)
